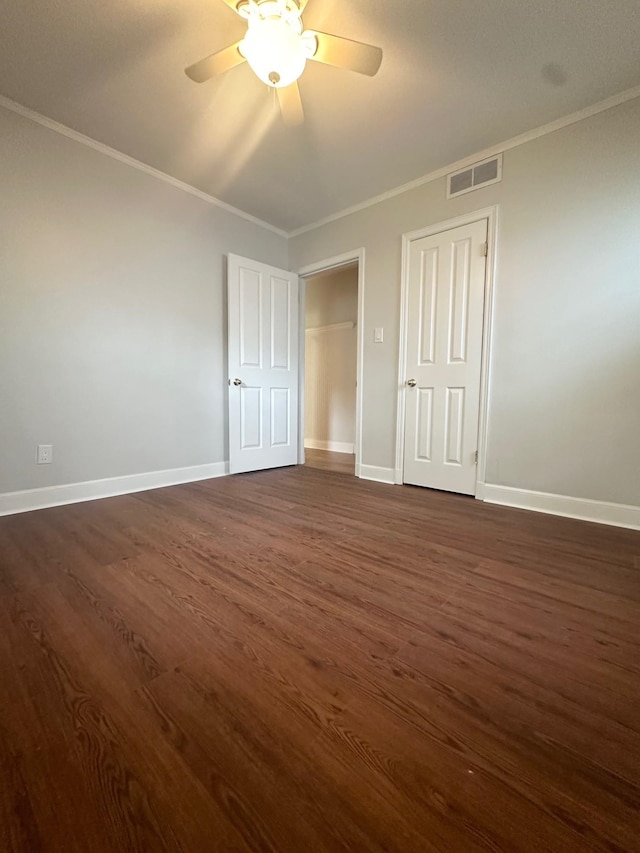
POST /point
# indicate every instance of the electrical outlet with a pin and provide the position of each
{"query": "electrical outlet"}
(45, 454)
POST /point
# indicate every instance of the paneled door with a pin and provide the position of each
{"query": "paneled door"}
(263, 365)
(446, 282)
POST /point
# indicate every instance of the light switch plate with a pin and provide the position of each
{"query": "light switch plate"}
(378, 335)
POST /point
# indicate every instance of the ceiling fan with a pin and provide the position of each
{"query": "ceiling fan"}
(277, 48)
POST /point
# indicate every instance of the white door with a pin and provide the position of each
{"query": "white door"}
(263, 365)
(444, 353)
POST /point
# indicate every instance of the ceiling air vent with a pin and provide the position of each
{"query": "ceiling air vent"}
(473, 177)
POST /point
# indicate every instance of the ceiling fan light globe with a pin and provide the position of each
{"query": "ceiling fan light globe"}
(275, 51)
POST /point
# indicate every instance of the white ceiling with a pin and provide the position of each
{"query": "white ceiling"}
(457, 76)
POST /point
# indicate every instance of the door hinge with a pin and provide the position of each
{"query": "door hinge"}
(475, 457)
(485, 249)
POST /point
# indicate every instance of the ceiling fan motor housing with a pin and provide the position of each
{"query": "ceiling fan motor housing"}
(275, 46)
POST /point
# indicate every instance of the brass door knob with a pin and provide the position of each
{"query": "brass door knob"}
(411, 383)
(237, 381)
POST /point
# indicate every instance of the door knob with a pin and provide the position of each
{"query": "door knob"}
(237, 381)
(411, 383)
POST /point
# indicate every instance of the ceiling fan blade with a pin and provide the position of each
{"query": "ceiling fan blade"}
(345, 53)
(235, 4)
(218, 62)
(291, 104)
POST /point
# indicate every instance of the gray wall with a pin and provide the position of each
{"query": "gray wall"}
(112, 313)
(332, 297)
(564, 412)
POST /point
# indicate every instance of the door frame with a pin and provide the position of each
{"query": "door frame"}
(491, 215)
(326, 265)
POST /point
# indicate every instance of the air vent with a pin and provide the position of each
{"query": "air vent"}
(473, 177)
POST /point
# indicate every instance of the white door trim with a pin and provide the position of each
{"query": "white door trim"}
(491, 215)
(355, 256)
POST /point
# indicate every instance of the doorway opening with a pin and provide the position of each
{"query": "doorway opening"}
(331, 299)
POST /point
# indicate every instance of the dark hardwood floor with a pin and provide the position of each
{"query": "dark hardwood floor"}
(296, 660)
(327, 460)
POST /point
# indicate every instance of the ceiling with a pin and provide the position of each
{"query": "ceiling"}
(457, 76)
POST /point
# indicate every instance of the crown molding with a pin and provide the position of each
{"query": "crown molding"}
(514, 142)
(62, 129)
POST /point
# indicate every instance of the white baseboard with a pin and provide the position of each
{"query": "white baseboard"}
(374, 472)
(619, 515)
(335, 446)
(14, 502)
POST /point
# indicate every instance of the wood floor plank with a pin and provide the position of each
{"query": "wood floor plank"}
(327, 460)
(297, 659)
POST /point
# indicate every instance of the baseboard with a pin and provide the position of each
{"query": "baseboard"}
(335, 446)
(618, 515)
(14, 502)
(380, 475)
